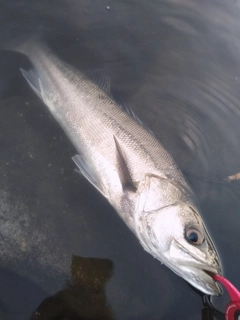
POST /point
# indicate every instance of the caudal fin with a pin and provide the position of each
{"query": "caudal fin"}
(15, 32)
(24, 43)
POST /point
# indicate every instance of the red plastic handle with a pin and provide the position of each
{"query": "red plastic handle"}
(232, 291)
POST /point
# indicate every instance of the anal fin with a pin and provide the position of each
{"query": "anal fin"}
(33, 80)
(87, 172)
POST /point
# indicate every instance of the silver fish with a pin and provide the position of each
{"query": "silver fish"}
(128, 165)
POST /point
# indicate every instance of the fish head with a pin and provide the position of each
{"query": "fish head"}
(176, 235)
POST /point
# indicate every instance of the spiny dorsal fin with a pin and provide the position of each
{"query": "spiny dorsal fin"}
(122, 168)
(132, 114)
(101, 79)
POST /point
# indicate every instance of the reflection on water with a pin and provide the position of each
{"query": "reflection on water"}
(84, 297)
(177, 64)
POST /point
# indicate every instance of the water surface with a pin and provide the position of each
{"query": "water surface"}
(176, 63)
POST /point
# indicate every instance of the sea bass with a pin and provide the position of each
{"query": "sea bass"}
(124, 161)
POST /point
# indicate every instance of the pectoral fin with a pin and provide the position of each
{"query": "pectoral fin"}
(87, 172)
(123, 171)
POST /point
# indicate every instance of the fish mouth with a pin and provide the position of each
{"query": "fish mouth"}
(210, 272)
(196, 269)
(201, 277)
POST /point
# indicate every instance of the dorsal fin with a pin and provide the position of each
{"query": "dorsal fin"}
(123, 172)
(100, 78)
(132, 114)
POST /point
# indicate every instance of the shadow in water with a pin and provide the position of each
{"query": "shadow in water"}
(84, 297)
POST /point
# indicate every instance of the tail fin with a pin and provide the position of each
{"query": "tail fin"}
(23, 42)
(18, 28)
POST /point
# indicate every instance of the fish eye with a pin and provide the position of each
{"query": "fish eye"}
(194, 236)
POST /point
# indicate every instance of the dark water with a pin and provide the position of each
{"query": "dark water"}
(64, 252)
